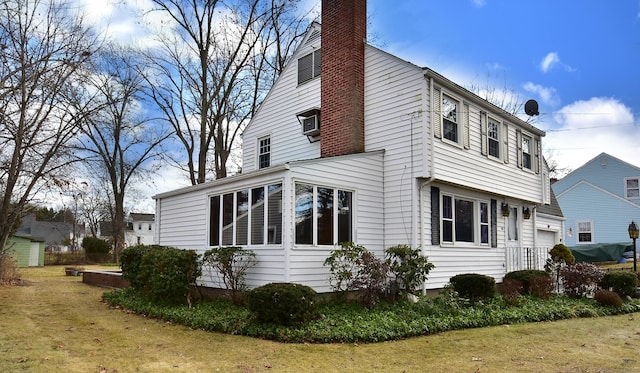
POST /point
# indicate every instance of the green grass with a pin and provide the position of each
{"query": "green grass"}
(58, 324)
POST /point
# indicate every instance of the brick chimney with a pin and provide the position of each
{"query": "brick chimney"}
(344, 29)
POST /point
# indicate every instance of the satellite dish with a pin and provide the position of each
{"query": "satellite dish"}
(531, 108)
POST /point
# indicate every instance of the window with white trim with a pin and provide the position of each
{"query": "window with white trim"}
(450, 118)
(526, 152)
(323, 215)
(464, 220)
(585, 231)
(309, 66)
(512, 224)
(632, 187)
(246, 216)
(264, 152)
(493, 137)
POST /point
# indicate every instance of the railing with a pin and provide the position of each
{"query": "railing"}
(518, 258)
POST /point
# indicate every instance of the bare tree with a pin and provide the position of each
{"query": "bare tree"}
(213, 70)
(43, 47)
(121, 138)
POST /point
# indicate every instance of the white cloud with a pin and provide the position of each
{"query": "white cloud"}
(548, 95)
(478, 3)
(580, 131)
(549, 61)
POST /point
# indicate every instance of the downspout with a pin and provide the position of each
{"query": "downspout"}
(156, 234)
(424, 184)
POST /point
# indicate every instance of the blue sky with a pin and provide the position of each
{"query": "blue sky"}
(580, 59)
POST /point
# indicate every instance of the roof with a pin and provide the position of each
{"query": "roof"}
(137, 216)
(553, 208)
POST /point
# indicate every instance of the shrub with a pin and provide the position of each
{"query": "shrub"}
(8, 269)
(524, 276)
(283, 303)
(130, 260)
(161, 274)
(354, 268)
(474, 286)
(624, 283)
(608, 298)
(232, 264)
(409, 267)
(511, 290)
(96, 250)
(580, 279)
(541, 286)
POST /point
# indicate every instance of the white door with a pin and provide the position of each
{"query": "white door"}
(34, 254)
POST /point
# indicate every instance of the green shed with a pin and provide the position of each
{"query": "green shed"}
(27, 251)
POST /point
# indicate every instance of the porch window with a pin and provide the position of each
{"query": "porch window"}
(585, 231)
(322, 215)
(240, 217)
(512, 225)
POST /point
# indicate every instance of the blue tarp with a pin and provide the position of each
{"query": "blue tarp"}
(600, 252)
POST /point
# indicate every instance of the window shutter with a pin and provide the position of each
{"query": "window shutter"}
(316, 63)
(483, 133)
(435, 215)
(494, 223)
(505, 134)
(465, 124)
(519, 146)
(537, 157)
(437, 113)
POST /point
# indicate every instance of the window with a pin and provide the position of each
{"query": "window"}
(585, 231)
(526, 151)
(309, 67)
(322, 215)
(264, 152)
(493, 137)
(450, 115)
(249, 215)
(632, 187)
(464, 219)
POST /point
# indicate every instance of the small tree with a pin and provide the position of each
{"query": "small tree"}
(409, 267)
(232, 264)
(96, 249)
(560, 257)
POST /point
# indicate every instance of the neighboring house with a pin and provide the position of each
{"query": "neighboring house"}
(57, 235)
(599, 200)
(140, 229)
(362, 146)
(27, 251)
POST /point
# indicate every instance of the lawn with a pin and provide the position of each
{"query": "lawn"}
(56, 323)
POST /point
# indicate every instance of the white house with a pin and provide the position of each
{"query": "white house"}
(355, 144)
(140, 229)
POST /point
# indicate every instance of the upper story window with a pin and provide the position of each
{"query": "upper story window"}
(526, 151)
(264, 152)
(493, 137)
(309, 66)
(323, 215)
(585, 231)
(632, 187)
(464, 219)
(450, 118)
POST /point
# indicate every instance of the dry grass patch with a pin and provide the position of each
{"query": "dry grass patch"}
(59, 324)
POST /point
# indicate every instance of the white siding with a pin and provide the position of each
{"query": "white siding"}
(395, 106)
(277, 117)
(361, 173)
(470, 168)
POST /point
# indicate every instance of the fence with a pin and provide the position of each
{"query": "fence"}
(518, 258)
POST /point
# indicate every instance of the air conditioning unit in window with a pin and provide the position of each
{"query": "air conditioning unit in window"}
(311, 126)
